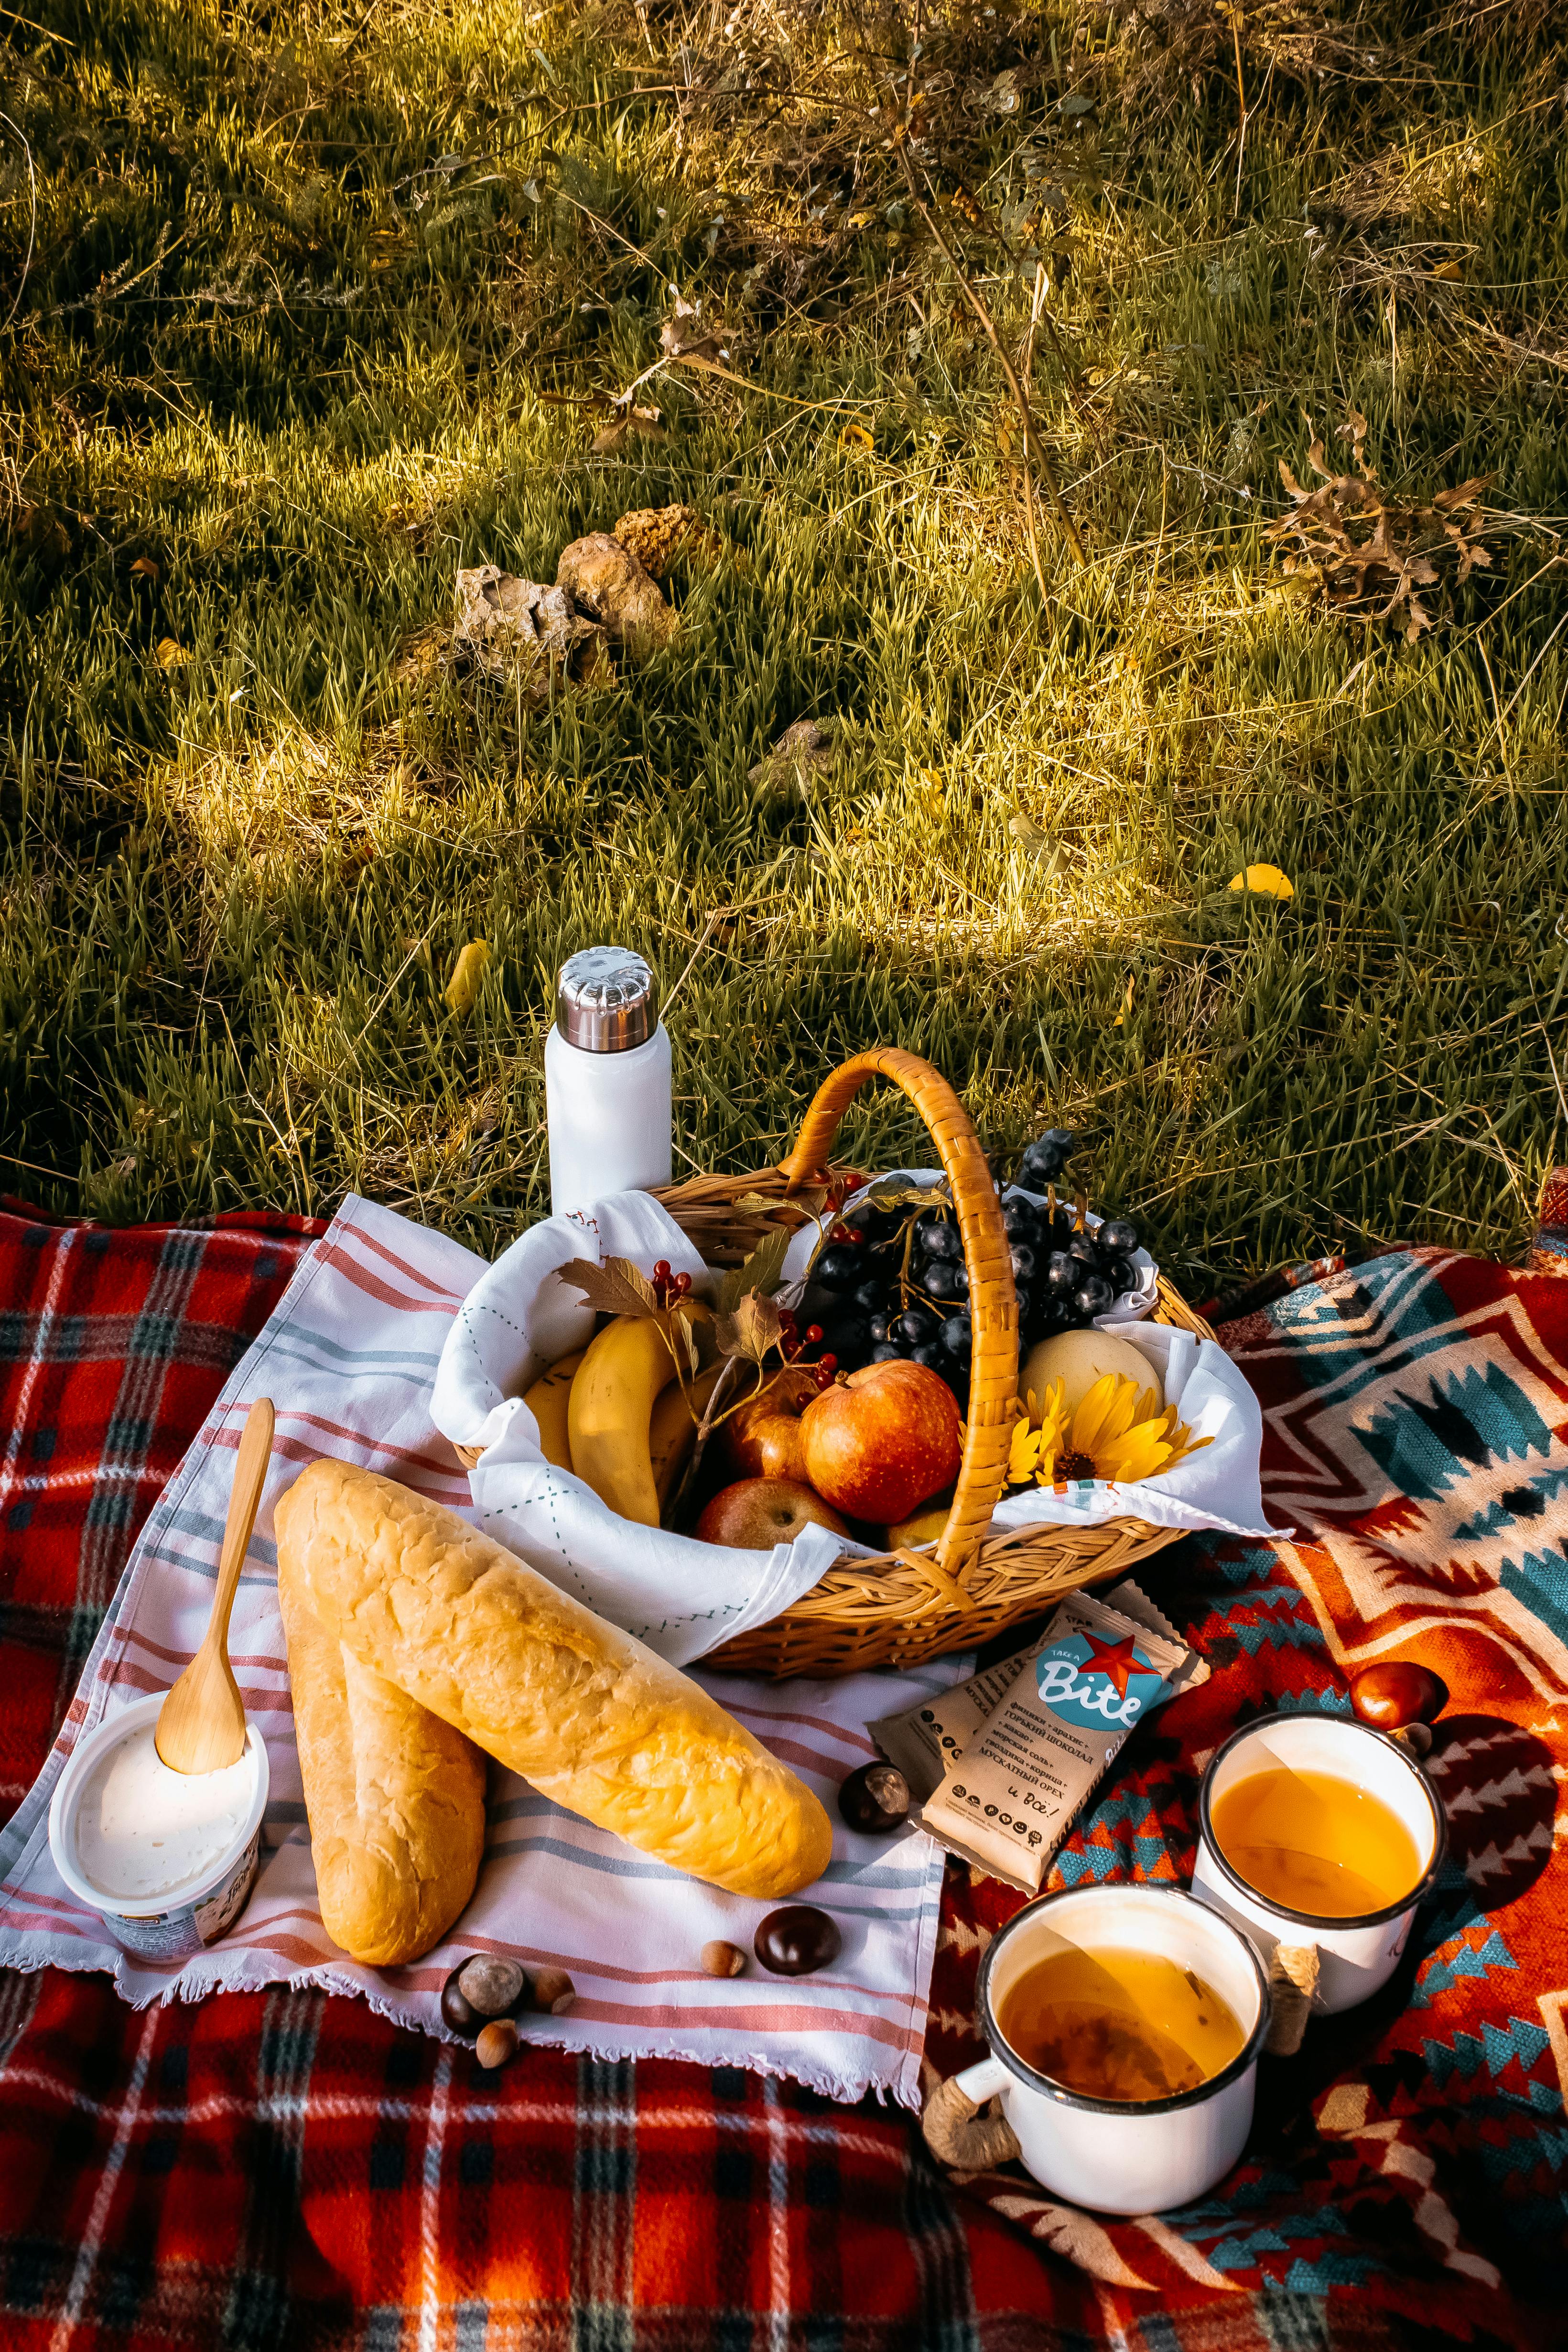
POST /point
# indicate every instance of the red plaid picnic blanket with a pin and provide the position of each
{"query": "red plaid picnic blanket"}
(285, 2170)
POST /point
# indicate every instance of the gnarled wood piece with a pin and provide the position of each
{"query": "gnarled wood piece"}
(1292, 1981)
(960, 2136)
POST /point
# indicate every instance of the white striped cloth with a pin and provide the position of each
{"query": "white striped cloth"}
(348, 1359)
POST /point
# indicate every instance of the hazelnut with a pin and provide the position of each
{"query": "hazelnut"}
(722, 1959)
(1397, 1692)
(554, 1992)
(874, 1799)
(492, 1985)
(797, 1940)
(496, 2043)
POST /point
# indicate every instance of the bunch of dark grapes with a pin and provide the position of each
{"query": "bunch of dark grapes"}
(892, 1282)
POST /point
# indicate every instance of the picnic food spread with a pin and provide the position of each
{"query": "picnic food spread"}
(748, 1413)
(584, 1712)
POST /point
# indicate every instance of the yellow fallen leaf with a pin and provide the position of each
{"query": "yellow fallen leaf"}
(466, 973)
(1267, 879)
(856, 437)
(145, 567)
(1449, 270)
(1126, 1004)
(169, 655)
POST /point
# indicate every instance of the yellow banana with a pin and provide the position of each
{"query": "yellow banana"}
(924, 1528)
(672, 1432)
(547, 1401)
(624, 1370)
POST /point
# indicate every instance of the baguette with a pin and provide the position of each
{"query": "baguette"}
(395, 1798)
(588, 1714)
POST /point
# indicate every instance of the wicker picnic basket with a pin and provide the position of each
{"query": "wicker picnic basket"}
(898, 1608)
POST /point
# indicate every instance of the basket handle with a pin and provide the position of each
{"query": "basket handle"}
(993, 1302)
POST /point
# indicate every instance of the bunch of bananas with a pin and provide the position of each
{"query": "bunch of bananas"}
(616, 1415)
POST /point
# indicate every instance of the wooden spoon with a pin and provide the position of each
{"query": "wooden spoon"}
(201, 1725)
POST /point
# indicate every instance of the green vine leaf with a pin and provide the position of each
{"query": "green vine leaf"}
(760, 1272)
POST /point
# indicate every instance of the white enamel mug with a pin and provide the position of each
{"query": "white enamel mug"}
(1354, 1956)
(1117, 2157)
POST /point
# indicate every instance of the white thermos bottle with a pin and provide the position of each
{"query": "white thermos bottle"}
(607, 1080)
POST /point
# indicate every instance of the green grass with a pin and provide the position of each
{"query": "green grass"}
(244, 358)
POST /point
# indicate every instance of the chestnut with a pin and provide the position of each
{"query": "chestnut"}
(1397, 1692)
(458, 2011)
(796, 1939)
(874, 1799)
(492, 1984)
(485, 1986)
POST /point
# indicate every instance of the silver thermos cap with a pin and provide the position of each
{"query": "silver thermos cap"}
(604, 1001)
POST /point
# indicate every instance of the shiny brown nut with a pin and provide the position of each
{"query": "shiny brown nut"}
(874, 1799)
(554, 1992)
(492, 1984)
(797, 1940)
(721, 1960)
(458, 2011)
(498, 2042)
(1397, 1692)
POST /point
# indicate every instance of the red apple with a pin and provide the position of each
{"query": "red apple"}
(762, 1438)
(883, 1441)
(754, 1514)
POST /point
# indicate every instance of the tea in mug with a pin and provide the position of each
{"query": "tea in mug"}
(1121, 2025)
(1315, 1843)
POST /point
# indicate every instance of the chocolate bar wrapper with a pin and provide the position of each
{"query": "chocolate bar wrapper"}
(924, 1740)
(1008, 1799)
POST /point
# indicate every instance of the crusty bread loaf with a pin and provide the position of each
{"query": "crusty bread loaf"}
(582, 1710)
(395, 1797)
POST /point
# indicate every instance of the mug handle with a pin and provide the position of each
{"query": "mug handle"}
(1292, 1981)
(956, 2132)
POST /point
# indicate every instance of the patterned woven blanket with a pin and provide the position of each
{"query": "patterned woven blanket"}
(283, 2169)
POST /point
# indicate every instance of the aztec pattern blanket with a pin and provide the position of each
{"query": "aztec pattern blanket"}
(285, 2169)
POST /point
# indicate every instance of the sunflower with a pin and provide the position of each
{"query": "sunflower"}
(1118, 1434)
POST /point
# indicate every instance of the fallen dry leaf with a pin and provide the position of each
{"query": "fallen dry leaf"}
(855, 437)
(636, 425)
(169, 655)
(685, 336)
(1265, 879)
(1368, 554)
(145, 568)
(463, 987)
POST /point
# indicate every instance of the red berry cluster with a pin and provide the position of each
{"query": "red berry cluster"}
(668, 1287)
(793, 1343)
(839, 1190)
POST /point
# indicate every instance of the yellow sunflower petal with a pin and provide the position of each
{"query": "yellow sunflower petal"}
(1023, 1454)
(1107, 1411)
(1138, 1454)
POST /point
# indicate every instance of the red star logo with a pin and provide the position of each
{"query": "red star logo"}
(1117, 1659)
